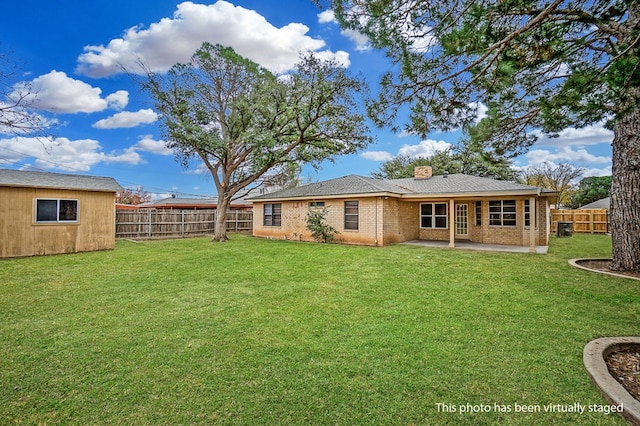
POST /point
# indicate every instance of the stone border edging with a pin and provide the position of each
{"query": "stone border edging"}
(593, 356)
(574, 262)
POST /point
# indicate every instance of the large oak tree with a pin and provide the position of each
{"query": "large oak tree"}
(547, 64)
(247, 125)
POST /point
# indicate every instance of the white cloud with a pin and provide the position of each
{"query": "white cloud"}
(56, 92)
(118, 100)
(565, 155)
(594, 171)
(327, 17)
(175, 39)
(127, 119)
(62, 153)
(376, 155)
(361, 41)
(589, 135)
(426, 148)
(148, 144)
(480, 110)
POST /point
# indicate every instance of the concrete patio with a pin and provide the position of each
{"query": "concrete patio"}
(466, 245)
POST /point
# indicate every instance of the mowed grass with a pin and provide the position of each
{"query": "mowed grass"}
(273, 332)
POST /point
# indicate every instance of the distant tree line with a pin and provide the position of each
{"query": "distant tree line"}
(465, 159)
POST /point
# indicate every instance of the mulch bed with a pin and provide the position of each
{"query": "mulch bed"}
(624, 366)
(605, 266)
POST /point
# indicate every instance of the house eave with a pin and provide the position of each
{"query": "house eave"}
(63, 188)
(478, 194)
(414, 196)
(327, 197)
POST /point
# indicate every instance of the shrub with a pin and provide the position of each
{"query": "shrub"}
(320, 229)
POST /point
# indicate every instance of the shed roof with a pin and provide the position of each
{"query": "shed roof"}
(31, 179)
(603, 203)
(446, 184)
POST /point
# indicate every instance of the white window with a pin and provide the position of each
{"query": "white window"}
(272, 215)
(54, 210)
(527, 214)
(502, 213)
(351, 214)
(433, 215)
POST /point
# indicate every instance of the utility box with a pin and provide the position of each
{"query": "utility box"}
(565, 229)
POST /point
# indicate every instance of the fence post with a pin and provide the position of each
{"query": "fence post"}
(182, 223)
(149, 224)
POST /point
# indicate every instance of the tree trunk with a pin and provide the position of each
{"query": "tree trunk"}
(625, 193)
(220, 234)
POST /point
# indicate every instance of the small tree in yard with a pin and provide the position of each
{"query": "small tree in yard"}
(246, 125)
(320, 229)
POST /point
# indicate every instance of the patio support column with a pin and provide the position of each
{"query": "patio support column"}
(533, 214)
(452, 223)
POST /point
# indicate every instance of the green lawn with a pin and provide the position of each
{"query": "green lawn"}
(273, 332)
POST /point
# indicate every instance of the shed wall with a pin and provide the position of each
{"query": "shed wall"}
(20, 235)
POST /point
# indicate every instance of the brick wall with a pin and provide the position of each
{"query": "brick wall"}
(388, 220)
(294, 220)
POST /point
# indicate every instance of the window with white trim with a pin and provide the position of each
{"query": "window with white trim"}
(478, 213)
(351, 214)
(433, 215)
(56, 210)
(527, 214)
(272, 214)
(502, 213)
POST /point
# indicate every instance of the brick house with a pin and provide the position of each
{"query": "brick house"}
(451, 207)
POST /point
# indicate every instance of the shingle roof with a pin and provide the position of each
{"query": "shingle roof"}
(21, 178)
(347, 185)
(459, 183)
(354, 184)
(603, 203)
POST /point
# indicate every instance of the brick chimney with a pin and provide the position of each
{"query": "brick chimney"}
(422, 172)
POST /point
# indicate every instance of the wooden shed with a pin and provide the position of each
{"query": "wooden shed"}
(50, 213)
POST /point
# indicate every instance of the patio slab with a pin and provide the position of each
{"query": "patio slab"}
(466, 245)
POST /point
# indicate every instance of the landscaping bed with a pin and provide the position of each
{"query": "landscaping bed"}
(624, 366)
(604, 265)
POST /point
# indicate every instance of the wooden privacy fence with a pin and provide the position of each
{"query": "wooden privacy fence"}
(151, 223)
(594, 221)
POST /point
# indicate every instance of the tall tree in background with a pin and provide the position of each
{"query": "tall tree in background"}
(464, 158)
(548, 64)
(246, 125)
(558, 177)
(591, 189)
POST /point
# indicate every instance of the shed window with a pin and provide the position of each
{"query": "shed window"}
(351, 214)
(48, 211)
(433, 215)
(502, 213)
(272, 214)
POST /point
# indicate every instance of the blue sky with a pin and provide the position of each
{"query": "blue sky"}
(72, 51)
